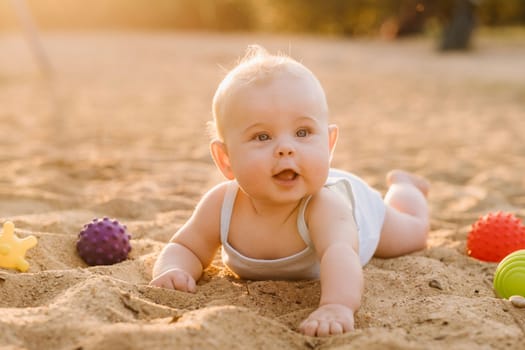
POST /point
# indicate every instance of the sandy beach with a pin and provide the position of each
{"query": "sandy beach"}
(119, 130)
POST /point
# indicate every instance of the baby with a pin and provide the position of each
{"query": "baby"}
(284, 214)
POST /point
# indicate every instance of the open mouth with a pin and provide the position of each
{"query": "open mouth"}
(286, 175)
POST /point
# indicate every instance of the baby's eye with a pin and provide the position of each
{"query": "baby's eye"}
(302, 133)
(262, 137)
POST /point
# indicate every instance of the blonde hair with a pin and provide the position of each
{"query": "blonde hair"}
(256, 66)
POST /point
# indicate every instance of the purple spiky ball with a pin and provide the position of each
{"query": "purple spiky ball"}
(103, 242)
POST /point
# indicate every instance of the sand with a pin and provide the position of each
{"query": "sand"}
(119, 131)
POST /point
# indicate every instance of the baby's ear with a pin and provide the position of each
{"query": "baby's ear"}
(333, 133)
(219, 153)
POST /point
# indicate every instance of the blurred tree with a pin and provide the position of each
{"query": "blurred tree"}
(392, 18)
(502, 12)
(222, 15)
(413, 15)
(234, 15)
(457, 30)
(456, 17)
(339, 17)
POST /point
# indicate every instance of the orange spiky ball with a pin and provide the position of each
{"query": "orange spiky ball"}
(494, 236)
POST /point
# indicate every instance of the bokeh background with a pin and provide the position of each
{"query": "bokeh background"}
(103, 111)
(349, 18)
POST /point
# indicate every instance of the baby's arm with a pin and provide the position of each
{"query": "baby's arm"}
(334, 234)
(177, 267)
(193, 247)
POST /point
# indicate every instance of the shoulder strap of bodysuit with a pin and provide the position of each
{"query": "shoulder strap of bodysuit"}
(227, 209)
(301, 222)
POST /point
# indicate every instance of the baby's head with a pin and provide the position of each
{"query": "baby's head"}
(271, 128)
(258, 67)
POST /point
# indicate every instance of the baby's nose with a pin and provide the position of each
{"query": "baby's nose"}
(286, 153)
(285, 150)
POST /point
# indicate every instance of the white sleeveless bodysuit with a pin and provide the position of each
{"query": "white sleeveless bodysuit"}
(367, 207)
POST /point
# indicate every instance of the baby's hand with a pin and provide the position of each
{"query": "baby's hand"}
(175, 279)
(328, 319)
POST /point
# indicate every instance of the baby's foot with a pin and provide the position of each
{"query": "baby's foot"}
(401, 176)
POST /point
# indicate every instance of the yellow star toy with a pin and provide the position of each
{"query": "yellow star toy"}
(13, 249)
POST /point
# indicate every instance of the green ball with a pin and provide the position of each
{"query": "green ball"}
(509, 278)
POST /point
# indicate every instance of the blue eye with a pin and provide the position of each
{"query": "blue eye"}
(262, 137)
(302, 133)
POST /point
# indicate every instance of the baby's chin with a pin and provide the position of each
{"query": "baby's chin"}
(279, 199)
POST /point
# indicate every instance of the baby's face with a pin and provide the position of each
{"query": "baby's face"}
(277, 138)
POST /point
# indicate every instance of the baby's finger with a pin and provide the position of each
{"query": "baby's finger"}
(336, 328)
(180, 282)
(323, 329)
(309, 327)
(192, 287)
(348, 326)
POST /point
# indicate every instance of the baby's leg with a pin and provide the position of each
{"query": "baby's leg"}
(406, 224)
